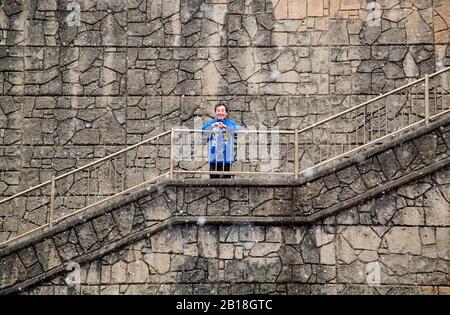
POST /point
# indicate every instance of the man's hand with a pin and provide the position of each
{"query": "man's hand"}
(220, 125)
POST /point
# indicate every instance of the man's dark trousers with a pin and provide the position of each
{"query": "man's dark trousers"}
(219, 166)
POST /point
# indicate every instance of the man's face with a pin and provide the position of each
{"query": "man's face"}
(221, 112)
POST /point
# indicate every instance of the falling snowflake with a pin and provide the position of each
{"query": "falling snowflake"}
(204, 7)
(248, 245)
(201, 221)
(160, 189)
(360, 158)
(287, 24)
(185, 14)
(275, 74)
(309, 172)
(406, 154)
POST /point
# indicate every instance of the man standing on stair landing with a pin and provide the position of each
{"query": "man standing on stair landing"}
(221, 144)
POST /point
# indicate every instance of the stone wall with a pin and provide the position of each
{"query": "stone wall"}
(378, 223)
(283, 260)
(75, 90)
(404, 233)
(72, 90)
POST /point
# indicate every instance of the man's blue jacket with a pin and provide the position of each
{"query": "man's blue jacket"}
(221, 145)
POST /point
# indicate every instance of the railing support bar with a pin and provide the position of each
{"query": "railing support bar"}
(427, 99)
(296, 156)
(172, 140)
(52, 204)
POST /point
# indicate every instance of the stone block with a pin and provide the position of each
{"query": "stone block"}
(167, 241)
(47, 254)
(362, 237)
(403, 240)
(16, 270)
(158, 262)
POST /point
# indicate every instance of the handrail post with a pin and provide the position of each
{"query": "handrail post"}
(52, 203)
(427, 100)
(172, 140)
(296, 157)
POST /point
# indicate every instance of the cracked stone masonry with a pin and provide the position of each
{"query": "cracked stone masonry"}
(74, 91)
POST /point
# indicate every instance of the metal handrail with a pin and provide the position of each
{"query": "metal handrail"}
(234, 131)
(85, 166)
(109, 157)
(426, 114)
(373, 100)
(172, 171)
(438, 72)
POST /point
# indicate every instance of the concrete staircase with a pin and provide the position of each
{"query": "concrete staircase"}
(338, 192)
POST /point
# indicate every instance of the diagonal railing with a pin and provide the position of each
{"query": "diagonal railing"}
(404, 108)
(176, 152)
(41, 207)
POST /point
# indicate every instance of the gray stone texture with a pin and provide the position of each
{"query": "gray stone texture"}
(70, 95)
(403, 234)
(132, 69)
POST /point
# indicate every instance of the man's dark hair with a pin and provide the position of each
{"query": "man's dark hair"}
(221, 104)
